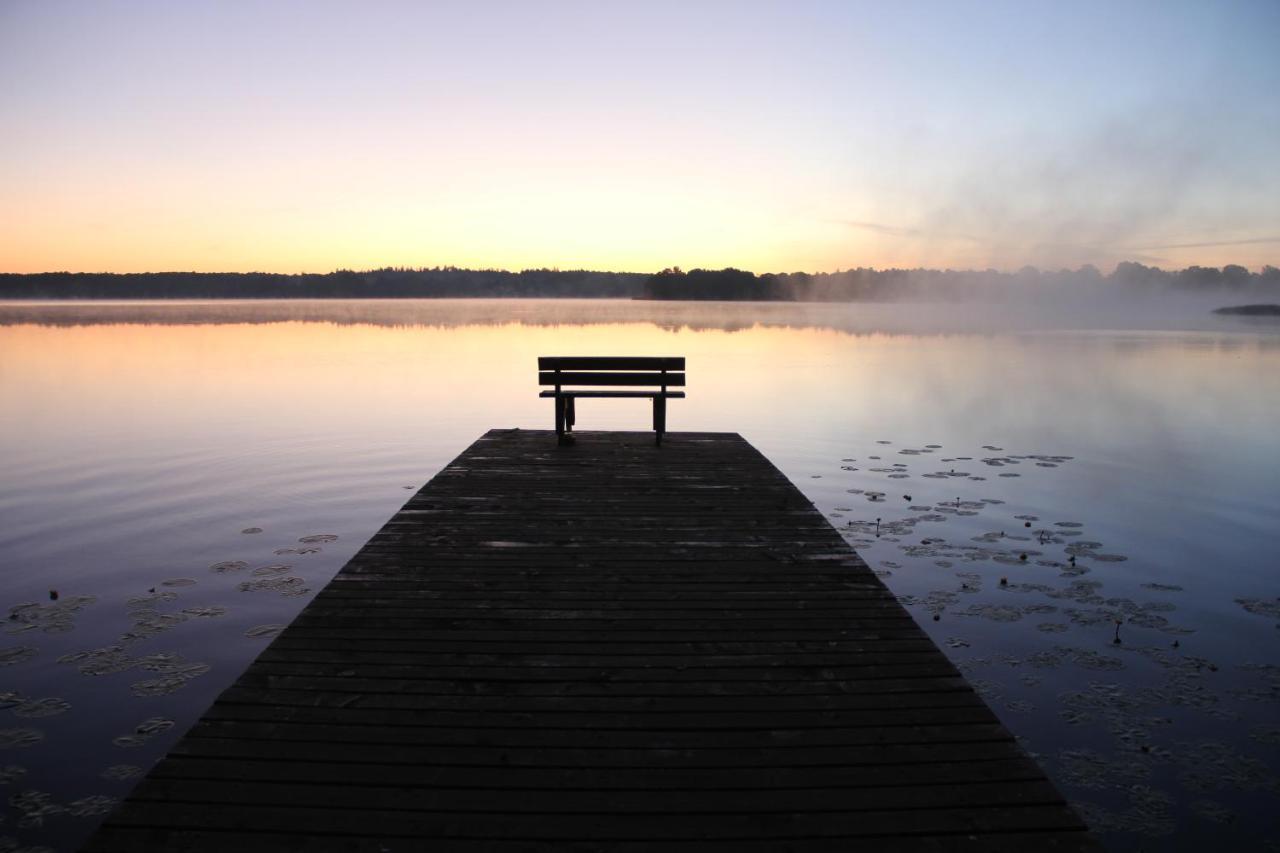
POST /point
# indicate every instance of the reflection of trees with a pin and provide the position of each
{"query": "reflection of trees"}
(669, 316)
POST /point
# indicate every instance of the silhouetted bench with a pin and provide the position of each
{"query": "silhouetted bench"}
(653, 374)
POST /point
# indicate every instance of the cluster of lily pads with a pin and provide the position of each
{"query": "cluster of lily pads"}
(987, 560)
(149, 614)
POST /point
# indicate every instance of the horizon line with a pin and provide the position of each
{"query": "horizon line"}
(557, 269)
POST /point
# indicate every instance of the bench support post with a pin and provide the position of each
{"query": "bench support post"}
(559, 401)
(569, 416)
(659, 418)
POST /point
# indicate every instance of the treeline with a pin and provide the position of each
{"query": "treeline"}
(437, 282)
(865, 284)
(854, 285)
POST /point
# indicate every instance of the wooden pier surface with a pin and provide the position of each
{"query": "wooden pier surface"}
(609, 646)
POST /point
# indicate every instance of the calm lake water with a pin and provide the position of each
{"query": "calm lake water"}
(1138, 471)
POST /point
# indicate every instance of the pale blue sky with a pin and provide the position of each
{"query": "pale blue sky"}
(772, 136)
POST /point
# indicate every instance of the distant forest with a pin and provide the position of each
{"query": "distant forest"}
(860, 284)
(388, 283)
(870, 285)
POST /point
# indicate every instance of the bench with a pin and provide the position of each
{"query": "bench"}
(580, 376)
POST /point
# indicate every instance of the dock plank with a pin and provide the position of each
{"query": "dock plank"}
(609, 646)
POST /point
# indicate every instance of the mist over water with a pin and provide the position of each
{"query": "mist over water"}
(177, 471)
(1006, 310)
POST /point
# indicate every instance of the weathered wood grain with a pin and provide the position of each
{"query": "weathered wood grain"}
(608, 646)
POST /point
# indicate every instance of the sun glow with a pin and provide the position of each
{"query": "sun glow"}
(519, 137)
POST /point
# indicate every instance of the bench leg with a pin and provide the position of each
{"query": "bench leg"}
(570, 417)
(659, 418)
(559, 401)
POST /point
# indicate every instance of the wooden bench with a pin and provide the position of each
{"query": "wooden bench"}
(572, 375)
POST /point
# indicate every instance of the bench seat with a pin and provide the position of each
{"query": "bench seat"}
(671, 395)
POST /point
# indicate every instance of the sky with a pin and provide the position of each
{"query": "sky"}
(790, 136)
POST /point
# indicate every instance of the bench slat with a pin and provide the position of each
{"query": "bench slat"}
(572, 378)
(577, 362)
(670, 395)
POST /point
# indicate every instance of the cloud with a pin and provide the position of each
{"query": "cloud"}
(898, 230)
(1105, 194)
(880, 228)
(1212, 243)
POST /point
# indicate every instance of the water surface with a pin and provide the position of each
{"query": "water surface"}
(139, 442)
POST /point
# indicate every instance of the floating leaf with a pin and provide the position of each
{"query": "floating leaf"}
(16, 654)
(47, 707)
(18, 738)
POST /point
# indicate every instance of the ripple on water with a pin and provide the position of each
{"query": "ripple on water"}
(229, 566)
(262, 632)
(318, 538)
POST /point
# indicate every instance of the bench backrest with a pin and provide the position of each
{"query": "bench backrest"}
(610, 370)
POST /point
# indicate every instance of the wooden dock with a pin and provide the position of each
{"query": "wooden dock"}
(610, 646)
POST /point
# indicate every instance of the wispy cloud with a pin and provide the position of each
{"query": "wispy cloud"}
(1212, 243)
(880, 228)
(901, 230)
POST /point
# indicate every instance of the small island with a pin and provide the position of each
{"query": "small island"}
(1264, 310)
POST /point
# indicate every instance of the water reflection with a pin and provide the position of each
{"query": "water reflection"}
(184, 477)
(854, 318)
